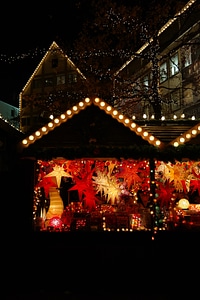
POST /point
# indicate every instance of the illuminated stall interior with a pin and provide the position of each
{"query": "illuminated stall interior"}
(113, 178)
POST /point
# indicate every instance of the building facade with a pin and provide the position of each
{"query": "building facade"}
(9, 113)
(53, 87)
(165, 71)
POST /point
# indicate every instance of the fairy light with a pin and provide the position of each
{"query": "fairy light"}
(25, 142)
(50, 125)
(44, 129)
(62, 116)
(81, 104)
(37, 133)
(102, 104)
(31, 137)
(69, 112)
(188, 135)
(56, 121)
(107, 108)
(194, 132)
(145, 133)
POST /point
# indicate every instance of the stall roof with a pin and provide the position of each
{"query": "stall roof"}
(95, 128)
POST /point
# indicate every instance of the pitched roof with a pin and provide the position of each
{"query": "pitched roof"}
(53, 47)
(94, 125)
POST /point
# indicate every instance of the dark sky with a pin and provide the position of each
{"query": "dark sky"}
(27, 31)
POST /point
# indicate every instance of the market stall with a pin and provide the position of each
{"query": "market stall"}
(96, 170)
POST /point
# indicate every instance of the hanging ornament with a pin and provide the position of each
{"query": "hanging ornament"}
(58, 172)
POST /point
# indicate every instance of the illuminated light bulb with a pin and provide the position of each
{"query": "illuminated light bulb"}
(51, 117)
(81, 104)
(56, 222)
(133, 125)
(139, 129)
(175, 117)
(151, 138)
(63, 116)
(163, 118)
(152, 117)
(198, 127)
(182, 116)
(97, 100)
(144, 116)
(87, 100)
(126, 121)
(37, 133)
(121, 117)
(182, 139)
(145, 133)
(108, 108)
(102, 103)
(133, 117)
(31, 137)
(194, 131)
(44, 129)
(188, 135)
(193, 118)
(115, 112)
(183, 203)
(75, 108)
(69, 112)
(56, 121)
(158, 143)
(24, 142)
(50, 125)
(176, 144)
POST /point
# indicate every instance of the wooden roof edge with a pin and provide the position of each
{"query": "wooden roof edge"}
(186, 136)
(107, 108)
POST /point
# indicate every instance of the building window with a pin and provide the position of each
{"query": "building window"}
(54, 63)
(163, 72)
(174, 65)
(146, 82)
(12, 113)
(72, 78)
(186, 57)
(60, 79)
(37, 83)
(48, 81)
(175, 100)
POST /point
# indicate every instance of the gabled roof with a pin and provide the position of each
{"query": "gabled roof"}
(54, 47)
(94, 124)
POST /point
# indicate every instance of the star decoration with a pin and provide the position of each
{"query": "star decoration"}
(58, 172)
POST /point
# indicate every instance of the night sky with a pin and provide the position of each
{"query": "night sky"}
(27, 31)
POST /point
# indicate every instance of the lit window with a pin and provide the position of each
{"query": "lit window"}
(186, 57)
(48, 82)
(72, 78)
(146, 82)
(173, 64)
(60, 79)
(163, 72)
